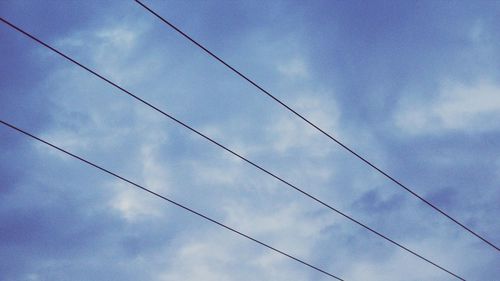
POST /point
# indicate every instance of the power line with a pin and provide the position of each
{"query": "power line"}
(314, 125)
(228, 149)
(169, 200)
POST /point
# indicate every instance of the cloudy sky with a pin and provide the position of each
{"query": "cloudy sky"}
(413, 86)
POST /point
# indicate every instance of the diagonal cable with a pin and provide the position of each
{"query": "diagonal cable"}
(169, 200)
(261, 89)
(228, 149)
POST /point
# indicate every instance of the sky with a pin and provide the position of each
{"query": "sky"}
(414, 86)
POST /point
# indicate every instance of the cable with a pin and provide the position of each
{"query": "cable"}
(314, 125)
(169, 200)
(227, 149)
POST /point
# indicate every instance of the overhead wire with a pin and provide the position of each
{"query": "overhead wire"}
(227, 149)
(88, 162)
(301, 116)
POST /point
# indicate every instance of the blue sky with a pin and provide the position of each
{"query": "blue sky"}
(414, 87)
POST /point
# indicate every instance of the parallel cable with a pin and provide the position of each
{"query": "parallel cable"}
(314, 125)
(228, 149)
(170, 200)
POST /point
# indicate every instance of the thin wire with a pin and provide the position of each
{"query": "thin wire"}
(314, 125)
(168, 200)
(228, 149)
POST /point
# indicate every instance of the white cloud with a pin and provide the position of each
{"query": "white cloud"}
(215, 254)
(218, 255)
(118, 37)
(286, 217)
(203, 259)
(154, 173)
(469, 108)
(206, 173)
(108, 41)
(32, 277)
(393, 269)
(294, 68)
(113, 50)
(288, 133)
(133, 204)
(224, 134)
